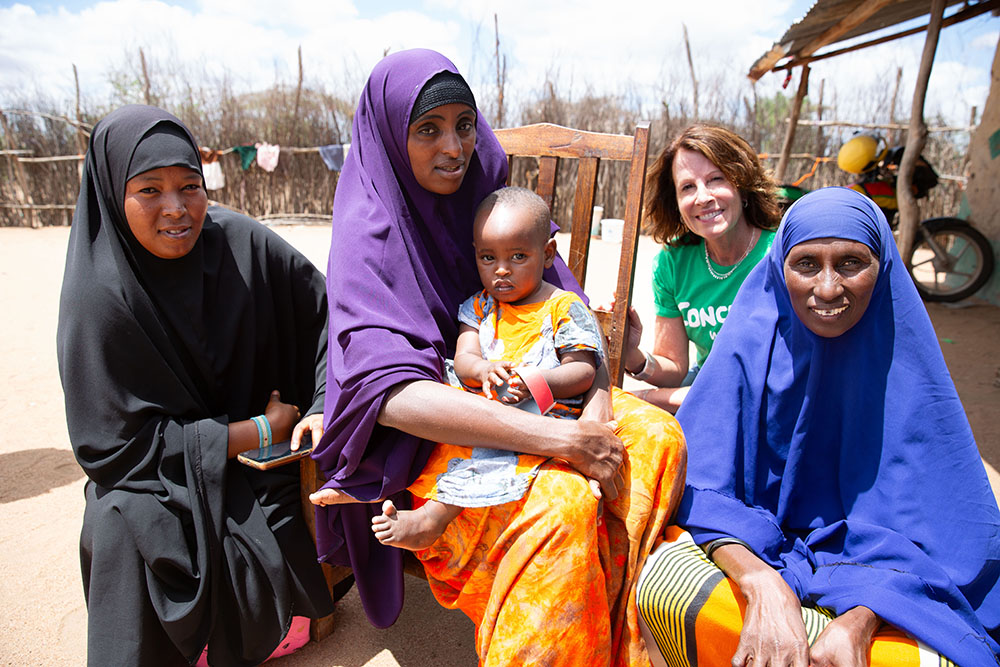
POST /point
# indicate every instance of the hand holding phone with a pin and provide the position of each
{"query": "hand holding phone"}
(277, 454)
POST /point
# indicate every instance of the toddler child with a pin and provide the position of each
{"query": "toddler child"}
(518, 320)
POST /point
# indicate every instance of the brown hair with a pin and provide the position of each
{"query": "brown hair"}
(737, 162)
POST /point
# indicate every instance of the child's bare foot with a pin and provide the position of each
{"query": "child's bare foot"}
(413, 529)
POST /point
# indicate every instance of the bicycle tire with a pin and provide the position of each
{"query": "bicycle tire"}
(965, 268)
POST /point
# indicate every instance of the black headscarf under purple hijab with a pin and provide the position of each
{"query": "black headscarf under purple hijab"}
(401, 262)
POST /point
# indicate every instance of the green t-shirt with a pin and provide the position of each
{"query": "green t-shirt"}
(683, 287)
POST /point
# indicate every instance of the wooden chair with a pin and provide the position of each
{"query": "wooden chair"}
(549, 144)
(552, 143)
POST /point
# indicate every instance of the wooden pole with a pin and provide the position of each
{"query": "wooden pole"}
(916, 138)
(820, 139)
(146, 93)
(298, 102)
(694, 79)
(891, 139)
(501, 71)
(793, 122)
(81, 137)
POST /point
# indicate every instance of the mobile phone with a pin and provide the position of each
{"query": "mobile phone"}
(277, 454)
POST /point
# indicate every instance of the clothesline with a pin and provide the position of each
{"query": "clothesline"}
(25, 155)
(264, 154)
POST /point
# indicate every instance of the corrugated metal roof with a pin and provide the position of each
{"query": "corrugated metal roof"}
(832, 21)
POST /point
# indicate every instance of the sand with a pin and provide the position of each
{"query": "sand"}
(41, 486)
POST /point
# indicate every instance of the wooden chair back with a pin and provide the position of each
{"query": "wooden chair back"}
(551, 144)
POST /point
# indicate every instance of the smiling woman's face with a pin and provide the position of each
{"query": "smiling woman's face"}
(165, 209)
(440, 144)
(830, 283)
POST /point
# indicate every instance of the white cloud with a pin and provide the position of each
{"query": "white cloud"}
(630, 45)
(987, 40)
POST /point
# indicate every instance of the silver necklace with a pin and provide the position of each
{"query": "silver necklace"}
(722, 276)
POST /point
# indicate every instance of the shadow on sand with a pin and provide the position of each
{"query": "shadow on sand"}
(31, 472)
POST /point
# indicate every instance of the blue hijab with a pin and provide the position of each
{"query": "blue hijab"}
(847, 463)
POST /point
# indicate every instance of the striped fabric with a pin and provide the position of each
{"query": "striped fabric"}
(695, 613)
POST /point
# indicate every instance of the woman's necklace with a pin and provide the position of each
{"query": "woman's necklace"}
(723, 276)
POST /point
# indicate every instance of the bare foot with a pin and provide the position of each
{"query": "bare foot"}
(325, 497)
(413, 529)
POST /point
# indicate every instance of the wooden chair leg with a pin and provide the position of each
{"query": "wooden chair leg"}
(310, 481)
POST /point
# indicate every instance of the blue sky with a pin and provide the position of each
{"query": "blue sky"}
(625, 47)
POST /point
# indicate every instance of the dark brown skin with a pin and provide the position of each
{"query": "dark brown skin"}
(774, 634)
(285, 424)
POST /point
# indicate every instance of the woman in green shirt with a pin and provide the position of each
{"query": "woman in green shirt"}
(712, 205)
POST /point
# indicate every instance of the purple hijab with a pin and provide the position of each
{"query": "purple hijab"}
(401, 262)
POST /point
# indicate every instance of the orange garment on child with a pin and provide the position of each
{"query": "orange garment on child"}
(535, 335)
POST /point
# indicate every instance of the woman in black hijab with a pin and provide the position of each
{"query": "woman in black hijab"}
(178, 324)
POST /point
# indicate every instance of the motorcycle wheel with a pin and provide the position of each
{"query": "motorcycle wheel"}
(950, 261)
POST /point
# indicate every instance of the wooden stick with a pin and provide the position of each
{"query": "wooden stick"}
(501, 71)
(40, 207)
(916, 138)
(83, 127)
(793, 122)
(882, 126)
(891, 139)
(53, 158)
(145, 78)
(694, 79)
(81, 137)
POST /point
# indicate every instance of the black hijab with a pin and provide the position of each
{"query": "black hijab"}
(157, 357)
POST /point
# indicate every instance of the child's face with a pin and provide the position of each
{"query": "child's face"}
(511, 254)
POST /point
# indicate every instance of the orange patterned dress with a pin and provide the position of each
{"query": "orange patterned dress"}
(550, 579)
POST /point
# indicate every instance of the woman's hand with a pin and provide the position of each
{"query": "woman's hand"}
(846, 640)
(773, 631)
(631, 355)
(281, 416)
(311, 423)
(773, 634)
(597, 453)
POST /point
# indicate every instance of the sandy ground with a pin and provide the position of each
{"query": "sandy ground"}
(41, 486)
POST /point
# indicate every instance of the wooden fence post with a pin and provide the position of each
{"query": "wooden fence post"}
(916, 138)
(793, 122)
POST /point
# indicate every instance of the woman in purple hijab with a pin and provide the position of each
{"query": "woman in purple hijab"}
(546, 579)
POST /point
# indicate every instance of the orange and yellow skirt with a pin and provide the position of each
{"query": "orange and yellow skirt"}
(550, 580)
(695, 614)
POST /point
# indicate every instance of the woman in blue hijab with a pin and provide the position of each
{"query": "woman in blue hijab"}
(832, 476)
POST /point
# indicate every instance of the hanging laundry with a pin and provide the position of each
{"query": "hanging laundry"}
(211, 168)
(333, 156)
(214, 179)
(267, 156)
(208, 155)
(247, 155)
